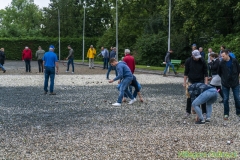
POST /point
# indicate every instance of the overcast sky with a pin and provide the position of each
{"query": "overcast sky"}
(40, 3)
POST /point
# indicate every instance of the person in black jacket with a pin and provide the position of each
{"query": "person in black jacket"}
(2, 56)
(195, 72)
(229, 71)
(215, 78)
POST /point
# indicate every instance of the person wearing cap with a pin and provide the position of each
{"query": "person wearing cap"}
(91, 54)
(27, 57)
(168, 63)
(129, 60)
(39, 54)
(50, 62)
(229, 71)
(195, 72)
(70, 59)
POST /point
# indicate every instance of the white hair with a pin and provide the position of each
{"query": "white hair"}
(127, 50)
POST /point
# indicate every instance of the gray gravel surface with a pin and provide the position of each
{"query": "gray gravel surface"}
(80, 122)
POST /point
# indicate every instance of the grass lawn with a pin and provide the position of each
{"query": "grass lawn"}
(144, 67)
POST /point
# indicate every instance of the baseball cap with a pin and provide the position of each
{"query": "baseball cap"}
(194, 45)
(51, 46)
(196, 54)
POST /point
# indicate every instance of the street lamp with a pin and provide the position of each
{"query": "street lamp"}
(169, 24)
(59, 42)
(116, 29)
(84, 7)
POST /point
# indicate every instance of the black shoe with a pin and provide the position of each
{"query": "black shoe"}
(200, 122)
(52, 93)
(164, 75)
(45, 92)
(4, 71)
(221, 101)
(93, 68)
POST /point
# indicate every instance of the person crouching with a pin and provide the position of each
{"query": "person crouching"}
(124, 74)
(201, 93)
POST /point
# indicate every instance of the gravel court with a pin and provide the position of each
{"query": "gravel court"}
(80, 122)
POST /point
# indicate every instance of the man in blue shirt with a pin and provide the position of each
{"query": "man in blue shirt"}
(124, 74)
(50, 61)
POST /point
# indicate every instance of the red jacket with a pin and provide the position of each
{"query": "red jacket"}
(130, 62)
(27, 54)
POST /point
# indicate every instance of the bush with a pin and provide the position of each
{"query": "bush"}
(151, 49)
(14, 46)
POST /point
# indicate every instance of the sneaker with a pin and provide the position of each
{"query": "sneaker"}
(164, 75)
(108, 79)
(93, 68)
(187, 115)
(116, 104)
(4, 71)
(200, 122)
(175, 73)
(45, 92)
(72, 72)
(132, 101)
(90, 68)
(207, 120)
(225, 117)
(52, 93)
(204, 115)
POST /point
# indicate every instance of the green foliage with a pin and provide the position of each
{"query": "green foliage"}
(151, 49)
(231, 41)
(14, 46)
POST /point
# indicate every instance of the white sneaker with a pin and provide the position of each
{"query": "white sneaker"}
(116, 104)
(132, 101)
(72, 72)
(66, 71)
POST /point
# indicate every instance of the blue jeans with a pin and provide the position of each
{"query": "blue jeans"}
(105, 63)
(124, 89)
(235, 91)
(209, 97)
(70, 61)
(1, 66)
(167, 65)
(28, 65)
(109, 70)
(130, 87)
(49, 72)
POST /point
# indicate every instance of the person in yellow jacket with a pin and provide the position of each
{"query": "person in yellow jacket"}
(90, 54)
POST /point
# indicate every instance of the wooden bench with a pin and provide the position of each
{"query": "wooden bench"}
(176, 62)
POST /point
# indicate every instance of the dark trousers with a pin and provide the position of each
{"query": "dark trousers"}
(28, 65)
(49, 73)
(40, 65)
(105, 63)
(189, 106)
(70, 61)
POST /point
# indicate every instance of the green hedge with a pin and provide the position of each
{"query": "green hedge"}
(14, 46)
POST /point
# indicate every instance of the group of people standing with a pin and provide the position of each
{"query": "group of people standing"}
(27, 57)
(222, 70)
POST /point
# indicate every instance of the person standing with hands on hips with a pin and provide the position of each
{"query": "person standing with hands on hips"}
(50, 61)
